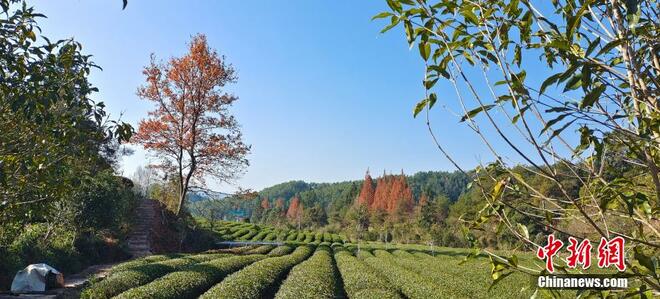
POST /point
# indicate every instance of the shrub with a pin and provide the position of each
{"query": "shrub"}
(411, 284)
(318, 238)
(309, 237)
(141, 261)
(300, 237)
(123, 280)
(271, 237)
(313, 278)
(281, 250)
(327, 237)
(360, 280)
(239, 233)
(293, 235)
(193, 281)
(336, 239)
(248, 236)
(261, 249)
(258, 279)
(260, 236)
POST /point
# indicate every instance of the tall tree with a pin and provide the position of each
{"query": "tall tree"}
(366, 196)
(191, 130)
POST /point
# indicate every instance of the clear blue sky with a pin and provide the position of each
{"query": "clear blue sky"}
(322, 94)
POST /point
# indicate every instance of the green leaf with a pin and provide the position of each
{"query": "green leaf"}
(394, 21)
(395, 5)
(591, 97)
(428, 84)
(432, 99)
(420, 106)
(382, 15)
(472, 113)
(609, 46)
(573, 83)
(125, 3)
(517, 55)
(552, 122)
(425, 50)
(552, 79)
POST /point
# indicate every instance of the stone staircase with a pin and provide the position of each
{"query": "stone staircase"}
(139, 239)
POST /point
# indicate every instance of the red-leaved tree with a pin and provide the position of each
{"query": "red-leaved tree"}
(366, 196)
(191, 131)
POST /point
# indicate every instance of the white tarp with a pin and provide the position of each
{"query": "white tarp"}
(33, 278)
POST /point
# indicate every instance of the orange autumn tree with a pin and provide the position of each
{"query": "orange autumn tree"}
(366, 196)
(191, 131)
(294, 213)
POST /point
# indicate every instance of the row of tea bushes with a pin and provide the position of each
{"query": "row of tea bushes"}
(193, 281)
(258, 279)
(313, 278)
(120, 281)
(362, 281)
(411, 284)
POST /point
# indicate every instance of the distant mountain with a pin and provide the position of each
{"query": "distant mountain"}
(206, 195)
(432, 183)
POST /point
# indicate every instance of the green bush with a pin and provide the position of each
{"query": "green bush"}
(121, 281)
(327, 237)
(293, 236)
(301, 237)
(411, 284)
(248, 236)
(191, 282)
(263, 249)
(309, 237)
(318, 237)
(271, 237)
(281, 250)
(360, 280)
(313, 278)
(258, 280)
(141, 261)
(260, 236)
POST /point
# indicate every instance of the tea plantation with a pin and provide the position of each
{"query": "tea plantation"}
(309, 265)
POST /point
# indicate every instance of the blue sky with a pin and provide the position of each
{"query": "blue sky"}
(322, 94)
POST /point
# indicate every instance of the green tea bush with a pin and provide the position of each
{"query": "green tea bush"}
(309, 237)
(259, 279)
(318, 237)
(141, 261)
(281, 250)
(327, 237)
(248, 236)
(362, 281)
(271, 237)
(191, 282)
(263, 249)
(260, 236)
(411, 284)
(300, 237)
(292, 236)
(121, 281)
(313, 278)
